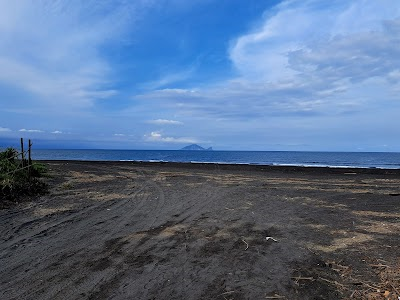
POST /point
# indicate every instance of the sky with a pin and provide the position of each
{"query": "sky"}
(295, 75)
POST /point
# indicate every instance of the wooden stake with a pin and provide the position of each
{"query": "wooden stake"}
(29, 158)
(30, 152)
(22, 152)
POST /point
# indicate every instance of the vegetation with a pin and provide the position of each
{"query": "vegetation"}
(19, 177)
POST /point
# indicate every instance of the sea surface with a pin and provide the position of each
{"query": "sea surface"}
(382, 160)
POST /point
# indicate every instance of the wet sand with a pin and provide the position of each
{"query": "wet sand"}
(123, 230)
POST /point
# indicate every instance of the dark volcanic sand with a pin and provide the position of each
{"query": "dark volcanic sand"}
(110, 230)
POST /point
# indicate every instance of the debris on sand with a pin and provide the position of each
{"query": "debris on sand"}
(270, 238)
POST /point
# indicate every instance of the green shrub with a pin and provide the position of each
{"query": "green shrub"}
(17, 179)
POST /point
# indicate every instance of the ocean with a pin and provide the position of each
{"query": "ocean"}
(381, 160)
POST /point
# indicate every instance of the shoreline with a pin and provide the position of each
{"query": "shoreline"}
(345, 160)
(242, 166)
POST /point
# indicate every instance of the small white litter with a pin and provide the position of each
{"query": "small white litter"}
(270, 238)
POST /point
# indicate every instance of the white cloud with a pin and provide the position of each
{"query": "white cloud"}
(342, 25)
(351, 57)
(165, 122)
(156, 136)
(30, 130)
(50, 48)
(3, 129)
(119, 134)
(57, 132)
(319, 62)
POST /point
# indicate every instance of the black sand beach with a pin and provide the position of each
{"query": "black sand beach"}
(123, 230)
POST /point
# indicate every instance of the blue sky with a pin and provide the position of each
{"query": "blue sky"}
(231, 74)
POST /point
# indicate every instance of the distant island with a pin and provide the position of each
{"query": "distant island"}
(196, 148)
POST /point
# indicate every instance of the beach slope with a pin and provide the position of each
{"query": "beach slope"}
(124, 230)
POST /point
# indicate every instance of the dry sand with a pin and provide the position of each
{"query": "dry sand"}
(110, 230)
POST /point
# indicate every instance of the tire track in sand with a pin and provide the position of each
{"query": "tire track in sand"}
(78, 233)
(153, 241)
